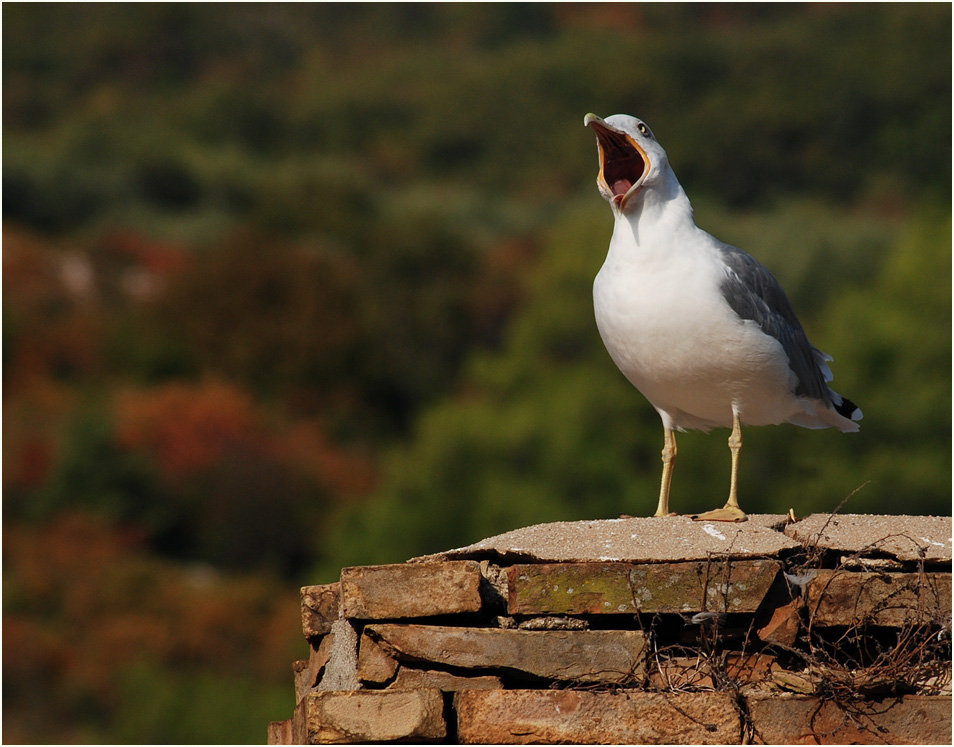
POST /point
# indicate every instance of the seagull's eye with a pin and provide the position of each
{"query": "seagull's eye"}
(643, 129)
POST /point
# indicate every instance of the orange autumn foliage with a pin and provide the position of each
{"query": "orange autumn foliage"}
(341, 471)
(187, 427)
(84, 600)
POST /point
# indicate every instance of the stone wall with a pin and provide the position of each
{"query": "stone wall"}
(834, 629)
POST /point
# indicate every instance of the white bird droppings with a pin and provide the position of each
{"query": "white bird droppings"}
(713, 532)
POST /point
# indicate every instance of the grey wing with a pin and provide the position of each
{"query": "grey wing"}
(754, 293)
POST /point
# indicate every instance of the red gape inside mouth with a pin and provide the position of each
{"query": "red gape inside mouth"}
(623, 164)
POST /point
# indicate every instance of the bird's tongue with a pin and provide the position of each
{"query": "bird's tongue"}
(621, 187)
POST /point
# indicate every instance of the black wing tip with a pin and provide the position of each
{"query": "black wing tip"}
(847, 409)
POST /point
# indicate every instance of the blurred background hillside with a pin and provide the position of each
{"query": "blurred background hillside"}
(292, 287)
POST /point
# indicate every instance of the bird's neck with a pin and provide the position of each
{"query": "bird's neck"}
(662, 214)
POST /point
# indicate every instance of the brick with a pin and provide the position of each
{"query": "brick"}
(280, 732)
(783, 624)
(891, 599)
(391, 592)
(622, 588)
(586, 717)
(363, 716)
(585, 655)
(802, 719)
(416, 679)
(320, 606)
(693, 671)
(374, 665)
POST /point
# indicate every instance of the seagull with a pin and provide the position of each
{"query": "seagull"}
(703, 330)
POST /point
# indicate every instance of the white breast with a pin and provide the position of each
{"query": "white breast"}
(662, 317)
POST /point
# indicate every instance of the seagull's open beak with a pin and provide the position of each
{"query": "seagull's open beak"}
(623, 163)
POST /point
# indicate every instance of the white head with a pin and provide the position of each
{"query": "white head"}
(630, 159)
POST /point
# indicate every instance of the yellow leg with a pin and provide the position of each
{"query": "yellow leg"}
(735, 446)
(668, 460)
(731, 510)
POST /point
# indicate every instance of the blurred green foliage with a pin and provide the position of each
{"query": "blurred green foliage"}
(289, 287)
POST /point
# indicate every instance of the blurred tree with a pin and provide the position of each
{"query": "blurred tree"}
(93, 473)
(270, 316)
(203, 95)
(242, 489)
(894, 343)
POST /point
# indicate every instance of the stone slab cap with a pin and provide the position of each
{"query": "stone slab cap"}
(633, 540)
(903, 537)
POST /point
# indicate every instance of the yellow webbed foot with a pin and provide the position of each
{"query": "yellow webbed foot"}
(726, 513)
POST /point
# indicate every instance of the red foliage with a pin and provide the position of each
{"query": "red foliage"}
(187, 427)
(54, 329)
(342, 472)
(83, 603)
(137, 268)
(32, 420)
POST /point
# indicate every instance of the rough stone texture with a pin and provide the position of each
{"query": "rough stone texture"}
(801, 719)
(302, 678)
(692, 671)
(280, 732)
(618, 588)
(552, 623)
(320, 607)
(370, 716)
(341, 669)
(633, 540)
(582, 717)
(794, 681)
(389, 592)
(903, 537)
(893, 599)
(940, 683)
(374, 665)
(783, 623)
(583, 655)
(414, 679)
(308, 671)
